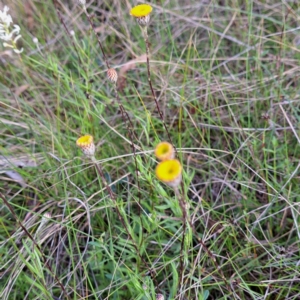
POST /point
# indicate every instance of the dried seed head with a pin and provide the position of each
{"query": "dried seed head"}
(112, 75)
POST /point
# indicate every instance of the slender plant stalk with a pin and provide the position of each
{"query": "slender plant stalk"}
(146, 39)
(211, 255)
(184, 221)
(98, 39)
(35, 244)
(182, 204)
(67, 31)
(123, 112)
(122, 109)
(112, 196)
(132, 135)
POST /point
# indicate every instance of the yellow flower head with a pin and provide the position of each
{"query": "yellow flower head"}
(169, 172)
(164, 151)
(141, 10)
(142, 14)
(86, 143)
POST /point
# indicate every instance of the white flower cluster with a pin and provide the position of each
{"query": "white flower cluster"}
(6, 34)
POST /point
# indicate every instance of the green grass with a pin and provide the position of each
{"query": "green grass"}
(225, 74)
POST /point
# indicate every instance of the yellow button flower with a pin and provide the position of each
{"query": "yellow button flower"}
(142, 14)
(169, 172)
(164, 151)
(141, 10)
(86, 143)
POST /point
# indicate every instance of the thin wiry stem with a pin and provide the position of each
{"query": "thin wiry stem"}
(184, 221)
(130, 129)
(113, 197)
(132, 135)
(146, 39)
(67, 31)
(183, 206)
(122, 109)
(211, 255)
(98, 39)
(126, 116)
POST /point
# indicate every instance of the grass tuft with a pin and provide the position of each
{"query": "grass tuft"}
(216, 79)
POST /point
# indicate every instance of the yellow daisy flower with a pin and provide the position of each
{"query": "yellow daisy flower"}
(141, 13)
(169, 172)
(164, 151)
(141, 10)
(86, 143)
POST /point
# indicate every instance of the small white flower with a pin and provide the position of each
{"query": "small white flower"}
(36, 42)
(8, 45)
(18, 51)
(16, 38)
(82, 2)
(5, 19)
(47, 216)
(6, 34)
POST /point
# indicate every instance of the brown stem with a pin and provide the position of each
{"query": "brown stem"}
(67, 31)
(98, 39)
(145, 33)
(182, 204)
(123, 112)
(184, 220)
(132, 135)
(112, 196)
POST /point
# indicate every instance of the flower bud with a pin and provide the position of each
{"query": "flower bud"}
(112, 75)
(86, 144)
